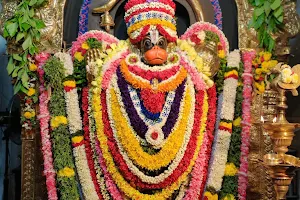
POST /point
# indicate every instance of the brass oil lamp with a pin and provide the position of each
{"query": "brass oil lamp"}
(281, 166)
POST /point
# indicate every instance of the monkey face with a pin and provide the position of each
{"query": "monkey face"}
(154, 50)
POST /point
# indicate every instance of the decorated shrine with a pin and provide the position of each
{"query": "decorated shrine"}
(151, 102)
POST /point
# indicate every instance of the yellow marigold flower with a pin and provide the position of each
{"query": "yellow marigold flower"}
(66, 172)
(237, 121)
(265, 65)
(221, 54)
(29, 115)
(85, 46)
(267, 56)
(77, 139)
(79, 56)
(260, 87)
(70, 84)
(57, 121)
(32, 67)
(229, 197)
(258, 71)
(230, 169)
(31, 92)
(210, 196)
(272, 63)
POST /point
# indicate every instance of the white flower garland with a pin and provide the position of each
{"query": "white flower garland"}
(75, 125)
(222, 139)
(160, 178)
(147, 5)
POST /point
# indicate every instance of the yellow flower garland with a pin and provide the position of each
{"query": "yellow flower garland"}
(132, 146)
(161, 87)
(141, 24)
(128, 190)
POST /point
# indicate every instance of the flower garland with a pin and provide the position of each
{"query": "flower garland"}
(247, 58)
(262, 69)
(223, 135)
(63, 162)
(218, 13)
(230, 181)
(84, 17)
(75, 127)
(207, 27)
(44, 119)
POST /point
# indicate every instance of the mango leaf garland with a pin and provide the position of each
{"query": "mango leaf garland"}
(23, 29)
(267, 19)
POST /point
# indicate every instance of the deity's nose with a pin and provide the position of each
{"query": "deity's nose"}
(156, 47)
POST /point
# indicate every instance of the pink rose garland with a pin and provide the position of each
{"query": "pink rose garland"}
(44, 118)
(247, 56)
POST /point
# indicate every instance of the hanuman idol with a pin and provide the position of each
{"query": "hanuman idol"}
(152, 105)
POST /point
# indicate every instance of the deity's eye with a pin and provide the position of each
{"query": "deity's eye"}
(147, 44)
(162, 43)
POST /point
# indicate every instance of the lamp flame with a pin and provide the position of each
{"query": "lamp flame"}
(275, 120)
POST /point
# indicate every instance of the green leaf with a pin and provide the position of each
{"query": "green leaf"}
(10, 66)
(24, 90)
(258, 11)
(25, 26)
(15, 72)
(278, 12)
(25, 18)
(267, 7)
(259, 2)
(275, 4)
(40, 24)
(27, 43)
(260, 20)
(31, 12)
(12, 29)
(17, 57)
(5, 33)
(32, 50)
(32, 2)
(280, 19)
(271, 44)
(17, 87)
(20, 73)
(25, 79)
(20, 36)
(32, 23)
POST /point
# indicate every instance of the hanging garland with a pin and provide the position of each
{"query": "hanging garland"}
(247, 57)
(62, 152)
(223, 135)
(44, 119)
(230, 181)
(75, 126)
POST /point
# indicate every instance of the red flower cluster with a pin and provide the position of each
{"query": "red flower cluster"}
(153, 101)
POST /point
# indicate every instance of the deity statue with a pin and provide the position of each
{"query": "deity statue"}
(153, 101)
